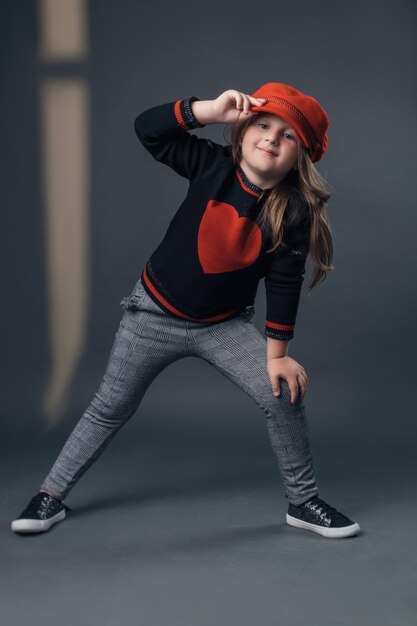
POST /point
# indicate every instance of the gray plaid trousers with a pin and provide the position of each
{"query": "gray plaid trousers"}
(146, 342)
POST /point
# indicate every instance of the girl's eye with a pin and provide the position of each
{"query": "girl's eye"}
(286, 134)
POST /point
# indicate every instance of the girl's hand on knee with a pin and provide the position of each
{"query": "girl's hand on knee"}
(232, 106)
(294, 373)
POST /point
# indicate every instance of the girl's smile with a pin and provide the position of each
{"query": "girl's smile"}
(269, 150)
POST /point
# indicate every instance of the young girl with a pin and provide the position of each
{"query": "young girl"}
(254, 209)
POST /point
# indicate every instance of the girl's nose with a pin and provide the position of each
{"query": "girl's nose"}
(273, 138)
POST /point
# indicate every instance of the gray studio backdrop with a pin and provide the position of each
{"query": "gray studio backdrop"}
(355, 334)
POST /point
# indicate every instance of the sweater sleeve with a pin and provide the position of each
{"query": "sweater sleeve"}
(283, 282)
(162, 130)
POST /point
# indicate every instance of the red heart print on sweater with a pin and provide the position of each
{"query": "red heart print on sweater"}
(227, 242)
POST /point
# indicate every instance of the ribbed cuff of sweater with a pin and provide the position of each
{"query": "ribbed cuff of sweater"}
(185, 115)
(279, 331)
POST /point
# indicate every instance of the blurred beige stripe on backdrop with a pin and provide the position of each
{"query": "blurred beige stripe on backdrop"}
(65, 167)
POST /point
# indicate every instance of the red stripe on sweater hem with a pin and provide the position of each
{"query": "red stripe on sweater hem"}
(175, 311)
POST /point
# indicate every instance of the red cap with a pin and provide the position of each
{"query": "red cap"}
(302, 112)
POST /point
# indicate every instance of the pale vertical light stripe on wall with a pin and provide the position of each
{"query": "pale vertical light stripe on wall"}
(64, 29)
(64, 139)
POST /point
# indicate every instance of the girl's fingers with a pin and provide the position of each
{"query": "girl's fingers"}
(239, 100)
(303, 382)
(244, 101)
(304, 374)
(297, 384)
(250, 100)
(293, 384)
(246, 104)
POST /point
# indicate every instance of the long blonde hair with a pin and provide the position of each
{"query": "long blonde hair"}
(305, 192)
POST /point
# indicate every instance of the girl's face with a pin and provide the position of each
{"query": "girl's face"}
(269, 150)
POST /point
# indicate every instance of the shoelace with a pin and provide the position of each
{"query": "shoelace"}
(37, 501)
(322, 507)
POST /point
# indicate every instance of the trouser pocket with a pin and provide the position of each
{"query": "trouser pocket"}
(249, 312)
(134, 300)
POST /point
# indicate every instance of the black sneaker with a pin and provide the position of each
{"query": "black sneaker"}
(321, 518)
(40, 514)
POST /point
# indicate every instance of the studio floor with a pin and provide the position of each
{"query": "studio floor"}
(163, 532)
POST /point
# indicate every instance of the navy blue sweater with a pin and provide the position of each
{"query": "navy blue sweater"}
(209, 263)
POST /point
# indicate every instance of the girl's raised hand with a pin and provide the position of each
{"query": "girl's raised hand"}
(233, 106)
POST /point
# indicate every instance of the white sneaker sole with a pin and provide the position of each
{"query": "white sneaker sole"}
(333, 533)
(36, 525)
